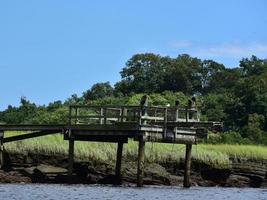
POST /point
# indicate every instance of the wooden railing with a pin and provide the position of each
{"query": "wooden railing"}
(130, 114)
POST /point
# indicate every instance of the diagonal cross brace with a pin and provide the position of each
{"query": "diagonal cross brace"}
(27, 136)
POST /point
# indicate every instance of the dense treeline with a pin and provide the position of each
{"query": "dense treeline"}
(236, 96)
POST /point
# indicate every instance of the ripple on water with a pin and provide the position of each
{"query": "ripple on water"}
(80, 192)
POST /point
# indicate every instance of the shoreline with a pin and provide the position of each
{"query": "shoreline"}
(40, 168)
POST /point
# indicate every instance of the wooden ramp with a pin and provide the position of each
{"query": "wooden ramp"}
(117, 124)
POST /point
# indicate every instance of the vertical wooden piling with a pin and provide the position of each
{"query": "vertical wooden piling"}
(187, 170)
(141, 162)
(71, 156)
(118, 163)
(1, 149)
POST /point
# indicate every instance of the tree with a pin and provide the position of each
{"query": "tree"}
(214, 106)
(143, 73)
(54, 106)
(253, 66)
(183, 75)
(21, 114)
(210, 75)
(98, 90)
(74, 99)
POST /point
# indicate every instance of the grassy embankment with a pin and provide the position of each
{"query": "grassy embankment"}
(215, 155)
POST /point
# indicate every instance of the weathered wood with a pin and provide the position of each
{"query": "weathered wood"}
(118, 162)
(100, 138)
(102, 119)
(187, 169)
(171, 138)
(70, 110)
(152, 118)
(165, 123)
(28, 136)
(77, 115)
(107, 127)
(31, 127)
(71, 156)
(141, 162)
(124, 115)
(1, 149)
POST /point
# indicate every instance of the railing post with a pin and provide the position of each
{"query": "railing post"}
(124, 114)
(177, 103)
(105, 115)
(102, 121)
(70, 110)
(143, 111)
(198, 115)
(76, 115)
(187, 114)
(135, 114)
(1, 149)
(165, 122)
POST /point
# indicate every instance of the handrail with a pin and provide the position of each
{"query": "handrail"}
(140, 114)
(115, 106)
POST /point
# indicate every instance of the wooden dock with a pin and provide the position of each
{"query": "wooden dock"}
(118, 124)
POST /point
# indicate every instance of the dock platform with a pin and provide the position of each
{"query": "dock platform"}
(118, 124)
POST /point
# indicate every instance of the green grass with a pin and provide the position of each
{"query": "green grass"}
(215, 155)
(251, 152)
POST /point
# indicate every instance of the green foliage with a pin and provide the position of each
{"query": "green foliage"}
(213, 138)
(148, 73)
(228, 137)
(74, 99)
(143, 73)
(253, 66)
(58, 116)
(14, 115)
(171, 97)
(232, 137)
(214, 105)
(159, 99)
(108, 100)
(134, 99)
(98, 90)
(183, 75)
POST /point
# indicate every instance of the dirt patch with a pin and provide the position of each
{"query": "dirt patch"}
(34, 168)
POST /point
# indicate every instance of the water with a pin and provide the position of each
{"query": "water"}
(80, 192)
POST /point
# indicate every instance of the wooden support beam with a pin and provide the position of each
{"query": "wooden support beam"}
(71, 156)
(141, 162)
(31, 127)
(187, 169)
(1, 149)
(28, 136)
(118, 163)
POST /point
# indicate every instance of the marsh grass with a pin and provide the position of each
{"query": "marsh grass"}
(214, 155)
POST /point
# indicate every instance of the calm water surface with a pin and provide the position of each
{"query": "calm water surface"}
(65, 192)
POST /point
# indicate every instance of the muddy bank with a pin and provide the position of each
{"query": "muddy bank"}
(53, 169)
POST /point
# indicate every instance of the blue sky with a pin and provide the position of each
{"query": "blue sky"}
(50, 49)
